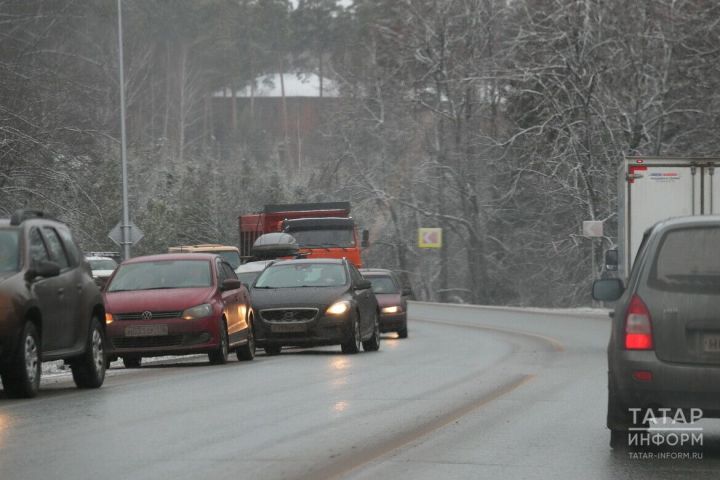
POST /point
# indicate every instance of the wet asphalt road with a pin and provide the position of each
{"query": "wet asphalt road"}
(473, 393)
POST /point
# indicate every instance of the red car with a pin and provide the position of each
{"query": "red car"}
(392, 299)
(178, 304)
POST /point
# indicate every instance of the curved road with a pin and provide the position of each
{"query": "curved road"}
(473, 393)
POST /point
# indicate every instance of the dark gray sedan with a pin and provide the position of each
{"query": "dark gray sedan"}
(315, 302)
(664, 350)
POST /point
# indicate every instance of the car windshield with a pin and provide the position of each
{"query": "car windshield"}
(232, 257)
(303, 275)
(384, 284)
(326, 237)
(9, 251)
(162, 275)
(687, 261)
(248, 277)
(102, 264)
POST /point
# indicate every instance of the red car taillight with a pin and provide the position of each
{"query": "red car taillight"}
(638, 326)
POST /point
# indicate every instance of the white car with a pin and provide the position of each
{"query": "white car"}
(102, 268)
(248, 272)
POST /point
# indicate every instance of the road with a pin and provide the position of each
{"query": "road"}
(473, 393)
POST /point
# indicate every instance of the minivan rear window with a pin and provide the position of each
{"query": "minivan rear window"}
(688, 260)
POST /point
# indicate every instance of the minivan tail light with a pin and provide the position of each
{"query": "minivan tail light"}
(638, 326)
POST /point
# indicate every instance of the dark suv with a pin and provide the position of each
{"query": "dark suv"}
(50, 307)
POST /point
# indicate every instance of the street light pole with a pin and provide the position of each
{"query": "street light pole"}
(125, 229)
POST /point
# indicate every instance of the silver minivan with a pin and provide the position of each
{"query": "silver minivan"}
(664, 350)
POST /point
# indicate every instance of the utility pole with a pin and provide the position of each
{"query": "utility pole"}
(125, 229)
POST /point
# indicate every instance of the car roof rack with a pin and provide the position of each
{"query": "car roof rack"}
(23, 214)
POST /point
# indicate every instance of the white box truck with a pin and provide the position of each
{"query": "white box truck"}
(651, 189)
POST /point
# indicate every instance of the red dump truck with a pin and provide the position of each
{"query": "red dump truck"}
(322, 230)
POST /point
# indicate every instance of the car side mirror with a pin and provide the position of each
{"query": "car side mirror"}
(230, 284)
(611, 260)
(365, 239)
(43, 268)
(363, 285)
(608, 289)
(407, 291)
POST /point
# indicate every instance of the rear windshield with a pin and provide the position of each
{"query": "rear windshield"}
(162, 275)
(102, 264)
(688, 261)
(232, 257)
(9, 250)
(383, 285)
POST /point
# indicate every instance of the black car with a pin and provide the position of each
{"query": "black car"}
(50, 307)
(314, 302)
(664, 349)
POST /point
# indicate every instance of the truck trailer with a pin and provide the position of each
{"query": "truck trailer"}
(651, 189)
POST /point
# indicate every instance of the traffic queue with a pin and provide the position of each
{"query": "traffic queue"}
(190, 301)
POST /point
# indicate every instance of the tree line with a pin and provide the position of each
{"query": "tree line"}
(503, 122)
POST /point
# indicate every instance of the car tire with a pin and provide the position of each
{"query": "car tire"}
(88, 370)
(353, 344)
(21, 377)
(618, 439)
(220, 355)
(619, 419)
(132, 361)
(247, 351)
(272, 350)
(403, 333)
(373, 343)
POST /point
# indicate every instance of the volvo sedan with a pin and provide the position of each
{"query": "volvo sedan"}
(315, 302)
(176, 304)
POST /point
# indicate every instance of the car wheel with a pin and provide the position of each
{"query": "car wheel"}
(272, 349)
(21, 378)
(247, 351)
(618, 439)
(220, 355)
(88, 370)
(132, 362)
(403, 333)
(619, 418)
(373, 343)
(354, 343)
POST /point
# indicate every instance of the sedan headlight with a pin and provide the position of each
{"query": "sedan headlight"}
(394, 309)
(195, 313)
(109, 318)
(338, 308)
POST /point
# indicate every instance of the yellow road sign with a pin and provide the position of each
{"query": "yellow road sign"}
(430, 237)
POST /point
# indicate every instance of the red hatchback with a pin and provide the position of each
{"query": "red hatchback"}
(178, 304)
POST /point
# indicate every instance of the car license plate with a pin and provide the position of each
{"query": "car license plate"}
(288, 327)
(711, 343)
(146, 330)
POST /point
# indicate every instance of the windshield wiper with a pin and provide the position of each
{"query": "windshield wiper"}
(264, 287)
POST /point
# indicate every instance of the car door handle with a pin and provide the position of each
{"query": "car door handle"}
(61, 291)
